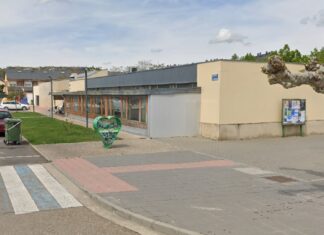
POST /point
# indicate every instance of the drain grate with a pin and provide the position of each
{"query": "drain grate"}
(280, 179)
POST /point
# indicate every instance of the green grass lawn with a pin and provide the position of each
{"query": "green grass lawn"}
(40, 129)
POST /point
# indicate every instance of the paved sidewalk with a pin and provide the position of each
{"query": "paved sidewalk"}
(265, 186)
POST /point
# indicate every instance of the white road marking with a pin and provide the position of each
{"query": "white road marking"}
(27, 156)
(316, 180)
(64, 198)
(253, 171)
(206, 208)
(20, 199)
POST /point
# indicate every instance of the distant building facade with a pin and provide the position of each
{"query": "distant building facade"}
(24, 79)
(218, 99)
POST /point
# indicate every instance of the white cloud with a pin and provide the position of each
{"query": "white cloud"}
(305, 20)
(227, 36)
(317, 19)
(52, 1)
(91, 32)
(157, 50)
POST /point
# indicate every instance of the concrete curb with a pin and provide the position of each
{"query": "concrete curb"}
(154, 225)
(38, 151)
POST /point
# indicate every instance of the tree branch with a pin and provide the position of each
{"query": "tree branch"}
(279, 74)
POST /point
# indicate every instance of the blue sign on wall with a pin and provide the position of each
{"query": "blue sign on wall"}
(215, 77)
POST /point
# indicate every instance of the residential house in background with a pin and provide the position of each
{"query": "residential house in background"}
(73, 82)
(23, 79)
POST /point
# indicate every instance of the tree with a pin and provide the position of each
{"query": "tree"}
(2, 94)
(288, 55)
(235, 57)
(292, 55)
(248, 57)
(2, 73)
(279, 74)
(318, 54)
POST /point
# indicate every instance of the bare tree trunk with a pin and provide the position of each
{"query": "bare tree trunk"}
(279, 74)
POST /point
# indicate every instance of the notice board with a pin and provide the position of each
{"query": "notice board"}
(293, 111)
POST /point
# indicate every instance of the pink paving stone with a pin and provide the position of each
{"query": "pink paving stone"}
(101, 180)
(91, 177)
(172, 166)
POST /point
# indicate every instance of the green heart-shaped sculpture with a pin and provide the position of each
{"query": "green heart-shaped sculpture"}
(108, 128)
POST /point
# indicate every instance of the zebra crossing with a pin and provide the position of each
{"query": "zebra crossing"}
(30, 188)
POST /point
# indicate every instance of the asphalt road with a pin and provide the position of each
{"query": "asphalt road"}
(18, 154)
(31, 204)
(64, 221)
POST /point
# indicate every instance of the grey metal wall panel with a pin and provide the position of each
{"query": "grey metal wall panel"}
(175, 75)
(174, 115)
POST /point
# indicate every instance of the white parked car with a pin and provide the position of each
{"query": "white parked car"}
(13, 105)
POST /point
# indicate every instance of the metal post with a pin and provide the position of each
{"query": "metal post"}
(86, 96)
(51, 96)
(33, 97)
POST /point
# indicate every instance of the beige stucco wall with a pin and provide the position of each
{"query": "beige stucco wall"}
(61, 85)
(76, 85)
(100, 73)
(247, 97)
(210, 92)
(44, 94)
(36, 93)
(242, 104)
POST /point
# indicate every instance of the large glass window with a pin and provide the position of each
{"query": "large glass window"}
(124, 107)
(103, 105)
(75, 103)
(116, 109)
(133, 108)
(97, 105)
(67, 101)
(143, 109)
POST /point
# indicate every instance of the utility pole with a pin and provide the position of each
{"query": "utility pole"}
(33, 97)
(51, 96)
(86, 96)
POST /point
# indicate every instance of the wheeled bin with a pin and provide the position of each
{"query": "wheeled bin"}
(12, 131)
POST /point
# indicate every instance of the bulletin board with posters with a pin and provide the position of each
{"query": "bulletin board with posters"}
(293, 112)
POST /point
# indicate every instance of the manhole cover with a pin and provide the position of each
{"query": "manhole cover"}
(280, 179)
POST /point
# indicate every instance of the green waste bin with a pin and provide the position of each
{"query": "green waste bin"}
(12, 131)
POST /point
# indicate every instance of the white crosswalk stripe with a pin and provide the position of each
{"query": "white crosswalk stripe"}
(31, 188)
(20, 199)
(64, 198)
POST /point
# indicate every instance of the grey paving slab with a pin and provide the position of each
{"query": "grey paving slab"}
(301, 157)
(149, 158)
(224, 201)
(19, 154)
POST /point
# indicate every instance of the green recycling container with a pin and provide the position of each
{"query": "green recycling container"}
(12, 131)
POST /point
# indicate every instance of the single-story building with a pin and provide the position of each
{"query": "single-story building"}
(142, 101)
(219, 100)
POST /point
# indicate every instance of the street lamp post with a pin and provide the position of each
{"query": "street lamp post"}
(51, 96)
(86, 96)
(33, 97)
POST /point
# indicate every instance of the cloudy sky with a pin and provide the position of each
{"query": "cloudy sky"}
(121, 32)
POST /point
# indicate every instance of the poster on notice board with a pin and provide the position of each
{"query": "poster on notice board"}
(293, 112)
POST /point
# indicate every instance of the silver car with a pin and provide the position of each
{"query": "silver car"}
(13, 105)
